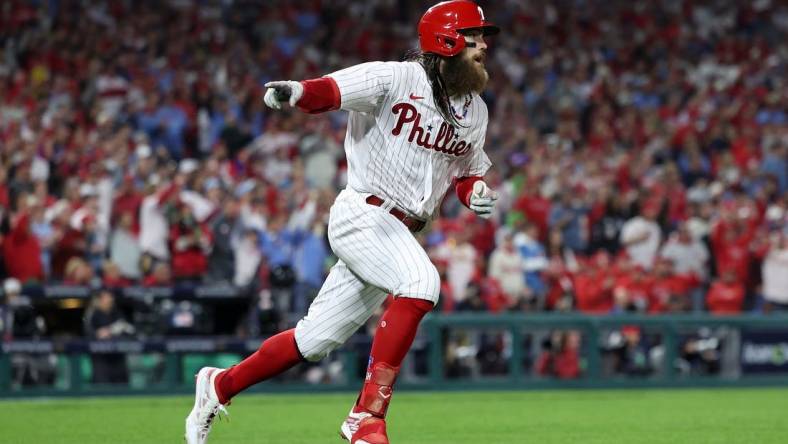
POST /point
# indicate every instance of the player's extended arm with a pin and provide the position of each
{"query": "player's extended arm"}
(311, 96)
(476, 195)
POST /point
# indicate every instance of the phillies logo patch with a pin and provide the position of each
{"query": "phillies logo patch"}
(446, 141)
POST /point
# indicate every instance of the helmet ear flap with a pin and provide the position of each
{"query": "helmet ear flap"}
(451, 44)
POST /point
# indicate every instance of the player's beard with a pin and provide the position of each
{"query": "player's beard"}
(464, 74)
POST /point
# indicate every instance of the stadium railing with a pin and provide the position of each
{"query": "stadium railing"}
(754, 349)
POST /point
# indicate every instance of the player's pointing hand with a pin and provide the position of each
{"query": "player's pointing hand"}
(283, 91)
(482, 200)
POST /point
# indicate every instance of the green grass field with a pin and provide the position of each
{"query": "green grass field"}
(758, 416)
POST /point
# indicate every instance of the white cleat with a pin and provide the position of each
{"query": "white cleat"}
(206, 407)
(350, 426)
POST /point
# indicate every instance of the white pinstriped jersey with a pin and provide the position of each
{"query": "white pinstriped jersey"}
(397, 144)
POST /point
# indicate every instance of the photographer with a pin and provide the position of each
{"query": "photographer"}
(19, 321)
(104, 322)
(17, 315)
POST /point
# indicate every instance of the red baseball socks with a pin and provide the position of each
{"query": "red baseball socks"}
(275, 355)
(393, 338)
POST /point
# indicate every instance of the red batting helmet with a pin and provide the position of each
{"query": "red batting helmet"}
(440, 26)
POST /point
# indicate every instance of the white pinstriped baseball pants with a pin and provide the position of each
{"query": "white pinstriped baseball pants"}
(377, 255)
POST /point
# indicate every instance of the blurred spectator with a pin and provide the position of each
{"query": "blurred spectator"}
(775, 164)
(473, 300)
(534, 260)
(154, 227)
(164, 123)
(559, 273)
(460, 257)
(73, 244)
(446, 300)
(226, 231)
(190, 245)
(701, 354)
(593, 285)
(775, 273)
(507, 266)
(278, 243)
(103, 322)
(309, 262)
(641, 236)
(22, 252)
(606, 228)
(77, 272)
(19, 320)
(688, 255)
(95, 245)
(124, 248)
(726, 295)
(233, 136)
(732, 237)
(5, 198)
(631, 352)
(493, 295)
(701, 218)
(266, 318)
(569, 215)
(254, 212)
(535, 208)
(45, 232)
(560, 355)
(632, 290)
(670, 291)
(111, 276)
(491, 355)
(127, 204)
(160, 276)
(481, 234)
(247, 259)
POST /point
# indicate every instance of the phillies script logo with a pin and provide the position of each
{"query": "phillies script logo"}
(446, 141)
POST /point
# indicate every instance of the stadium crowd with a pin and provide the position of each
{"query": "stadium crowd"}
(640, 149)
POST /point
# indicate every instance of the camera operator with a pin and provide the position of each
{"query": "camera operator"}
(19, 320)
(103, 321)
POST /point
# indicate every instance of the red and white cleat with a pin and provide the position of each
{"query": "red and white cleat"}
(350, 426)
(371, 431)
(206, 407)
(363, 428)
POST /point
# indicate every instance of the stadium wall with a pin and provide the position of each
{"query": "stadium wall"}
(752, 351)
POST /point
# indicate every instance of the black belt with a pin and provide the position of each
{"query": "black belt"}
(413, 224)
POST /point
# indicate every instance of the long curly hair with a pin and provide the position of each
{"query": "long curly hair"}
(431, 64)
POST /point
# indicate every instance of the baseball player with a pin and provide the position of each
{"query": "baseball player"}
(415, 128)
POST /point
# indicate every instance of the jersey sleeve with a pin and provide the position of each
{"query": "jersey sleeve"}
(477, 163)
(361, 87)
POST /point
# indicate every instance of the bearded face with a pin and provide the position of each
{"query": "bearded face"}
(465, 73)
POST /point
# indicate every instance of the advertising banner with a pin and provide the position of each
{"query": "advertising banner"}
(764, 351)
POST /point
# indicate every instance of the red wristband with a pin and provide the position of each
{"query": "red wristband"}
(320, 95)
(464, 188)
